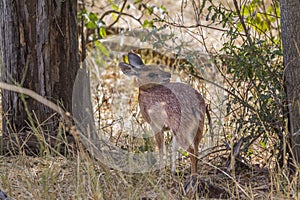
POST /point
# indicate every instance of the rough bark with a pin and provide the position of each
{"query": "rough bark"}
(290, 26)
(39, 51)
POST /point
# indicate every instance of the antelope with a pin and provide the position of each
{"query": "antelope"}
(168, 105)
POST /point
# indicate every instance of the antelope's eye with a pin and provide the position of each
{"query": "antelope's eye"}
(152, 75)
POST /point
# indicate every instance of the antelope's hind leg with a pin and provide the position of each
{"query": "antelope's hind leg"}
(194, 149)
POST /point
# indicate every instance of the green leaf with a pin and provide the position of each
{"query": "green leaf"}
(263, 144)
(250, 152)
(150, 10)
(93, 17)
(184, 153)
(148, 24)
(202, 6)
(115, 7)
(164, 9)
(102, 32)
(101, 48)
(91, 25)
(277, 52)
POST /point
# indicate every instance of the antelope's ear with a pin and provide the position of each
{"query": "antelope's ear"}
(135, 60)
(127, 69)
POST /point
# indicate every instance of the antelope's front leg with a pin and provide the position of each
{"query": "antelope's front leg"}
(174, 153)
(159, 137)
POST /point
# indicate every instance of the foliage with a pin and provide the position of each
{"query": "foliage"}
(95, 28)
(92, 22)
(251, 59)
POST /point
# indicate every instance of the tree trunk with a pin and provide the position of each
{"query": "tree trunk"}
(39, 51)
(290, 26)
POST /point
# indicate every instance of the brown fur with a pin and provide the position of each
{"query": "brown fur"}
(168, 105)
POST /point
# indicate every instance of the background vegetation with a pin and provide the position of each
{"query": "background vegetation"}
(243, 63)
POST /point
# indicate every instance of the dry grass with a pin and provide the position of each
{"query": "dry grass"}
(78, 176)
